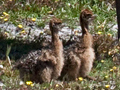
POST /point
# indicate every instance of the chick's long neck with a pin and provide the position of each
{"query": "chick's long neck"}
(55, 36)
(84, 25)
(57, 44)
(87, 37)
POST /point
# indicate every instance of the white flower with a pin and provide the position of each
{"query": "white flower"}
(63, 10)
(69, 4)
(1, 66)
(1, 84)
(21, 83)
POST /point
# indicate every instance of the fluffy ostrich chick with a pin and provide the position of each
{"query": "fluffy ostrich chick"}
(79, 57)
(44, 65)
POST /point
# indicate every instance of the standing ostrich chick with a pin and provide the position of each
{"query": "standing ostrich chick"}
(79, 57)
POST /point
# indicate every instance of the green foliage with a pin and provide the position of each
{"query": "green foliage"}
(67, 10)
(104, 70)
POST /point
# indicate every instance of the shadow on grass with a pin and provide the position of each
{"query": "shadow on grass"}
(19, 47)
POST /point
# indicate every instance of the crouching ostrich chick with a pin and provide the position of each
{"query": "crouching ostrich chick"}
(46, 64)
(79, 56)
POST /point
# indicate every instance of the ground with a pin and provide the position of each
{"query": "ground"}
(24, 24)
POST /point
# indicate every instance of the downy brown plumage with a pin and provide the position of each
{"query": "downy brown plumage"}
(44, 65)
(79, 56)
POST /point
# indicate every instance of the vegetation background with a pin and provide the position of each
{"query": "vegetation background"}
(24, 13)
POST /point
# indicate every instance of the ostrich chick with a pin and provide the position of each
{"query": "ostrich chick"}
(44, 65)
(79, 56)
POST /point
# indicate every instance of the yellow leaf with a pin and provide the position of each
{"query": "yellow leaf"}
(114, 68)
(1, 17)
(5, 19)
(102, 61)
(99, 32)
(33, 19)
(20, 26)
(106, 77)
(29, 82)
(49, 12)
(6, 33)
(107, 86)
(41, 32)
(111, 70)
(101, 26)
(57, 85)
(23, 31)
(104, 51)
(80, 78)
(32, 85)
(109, 34)
(6, 14)
(109, 53)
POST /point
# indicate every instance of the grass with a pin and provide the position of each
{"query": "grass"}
(68, 11)
(107, 71)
